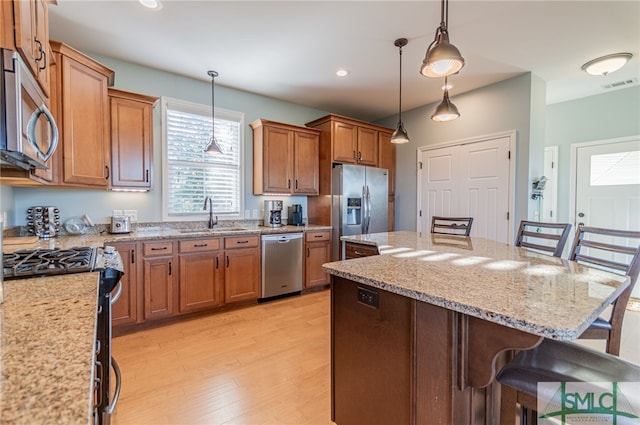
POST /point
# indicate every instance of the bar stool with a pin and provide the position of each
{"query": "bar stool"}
(451, 225)
(555, 361)
(533, 235)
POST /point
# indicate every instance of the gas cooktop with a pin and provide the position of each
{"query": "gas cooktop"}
(45, 262)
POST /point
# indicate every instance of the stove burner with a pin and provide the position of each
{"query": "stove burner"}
(42, 262)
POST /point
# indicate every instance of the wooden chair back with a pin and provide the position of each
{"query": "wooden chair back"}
(625, 245)
(532, 234)
(451, 225)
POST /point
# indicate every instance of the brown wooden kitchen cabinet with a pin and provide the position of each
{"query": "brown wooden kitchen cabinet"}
(31, 27)
(357, 250)
(201, 274)
(125, 309)
(81, 109)
(317, 252)
(387, 159)
(242, 268)
(285, 158)
(131, 134)
(159, 275)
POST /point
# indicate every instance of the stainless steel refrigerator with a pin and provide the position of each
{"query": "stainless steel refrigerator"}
(359, 202)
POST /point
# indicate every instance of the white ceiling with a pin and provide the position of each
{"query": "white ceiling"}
(290, 50)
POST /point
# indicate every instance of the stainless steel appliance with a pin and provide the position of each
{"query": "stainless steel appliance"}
(43, 221)
(282, 256)
(120, 224)
(294, 215)
(45, 262)
(28, 131)
(272, 213)
(359, 202)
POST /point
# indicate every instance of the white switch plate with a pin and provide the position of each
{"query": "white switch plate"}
(133, 215)
(254, 213)
(117, 213)
(247, 213)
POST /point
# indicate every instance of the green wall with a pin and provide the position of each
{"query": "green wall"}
(605, 116)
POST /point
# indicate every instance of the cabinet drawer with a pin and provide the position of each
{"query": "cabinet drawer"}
(324, 235)
(197, 245)
(354, 250)
(150, 249)
(248, 241)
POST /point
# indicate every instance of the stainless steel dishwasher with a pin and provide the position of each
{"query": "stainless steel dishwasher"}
(282, 256)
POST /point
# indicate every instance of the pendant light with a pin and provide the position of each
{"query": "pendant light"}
(400, 136)
(445, 111)
(213, 147)
(442, 58)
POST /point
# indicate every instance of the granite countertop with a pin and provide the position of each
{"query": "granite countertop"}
(512, 286)
(146, 233)
(47, 334)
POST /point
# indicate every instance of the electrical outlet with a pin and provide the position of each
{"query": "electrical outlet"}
(133, 215)
(247, 213)
(117, 213)
(4, 219)
(254, 214)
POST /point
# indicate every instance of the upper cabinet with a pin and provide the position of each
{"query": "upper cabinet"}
(285, 158)
(131, 131)
(81, 107)
(31, 29)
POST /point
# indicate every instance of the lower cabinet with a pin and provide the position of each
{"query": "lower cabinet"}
(201, 274)
(158, 264)
(125, 310)
(317, 252)
(357, 250)
(242, 268)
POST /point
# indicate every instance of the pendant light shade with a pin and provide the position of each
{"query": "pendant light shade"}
(400, 136)
(442, 58)
(445, 111)
(213, 147)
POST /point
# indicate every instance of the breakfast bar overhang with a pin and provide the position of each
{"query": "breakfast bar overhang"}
(418, 332)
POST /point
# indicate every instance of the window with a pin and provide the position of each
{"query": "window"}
(615, 169)
(190, 174)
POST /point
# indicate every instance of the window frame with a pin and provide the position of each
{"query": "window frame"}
(168, 103)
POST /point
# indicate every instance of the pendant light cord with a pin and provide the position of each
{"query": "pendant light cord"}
(213, 75)
(400, 96)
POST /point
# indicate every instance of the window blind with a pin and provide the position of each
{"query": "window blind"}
(192, 174)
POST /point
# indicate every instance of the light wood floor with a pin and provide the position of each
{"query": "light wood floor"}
(265, 364)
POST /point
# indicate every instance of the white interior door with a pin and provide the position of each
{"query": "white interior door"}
(607, 190)
(470, 179)
(550, 192)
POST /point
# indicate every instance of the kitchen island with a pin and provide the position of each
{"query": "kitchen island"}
(47, 341)
(418, 331)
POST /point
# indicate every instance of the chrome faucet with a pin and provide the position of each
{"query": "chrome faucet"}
(212, 222)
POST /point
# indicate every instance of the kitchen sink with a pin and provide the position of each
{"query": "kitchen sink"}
(218, 230)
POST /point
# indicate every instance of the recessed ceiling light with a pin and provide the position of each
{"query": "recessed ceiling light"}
(606, 64)
(151, 4)
(342, 72)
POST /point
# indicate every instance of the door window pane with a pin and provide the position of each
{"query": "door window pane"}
(620, 168)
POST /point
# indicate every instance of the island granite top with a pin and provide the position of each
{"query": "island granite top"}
(508, 285)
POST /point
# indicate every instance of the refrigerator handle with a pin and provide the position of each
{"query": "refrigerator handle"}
(363, 211)
(368, 202)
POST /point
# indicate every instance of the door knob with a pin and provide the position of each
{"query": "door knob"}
(580, 215)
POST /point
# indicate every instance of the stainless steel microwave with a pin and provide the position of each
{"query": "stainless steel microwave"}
(28, 131)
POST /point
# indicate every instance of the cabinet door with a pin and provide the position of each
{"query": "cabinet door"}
(306, 163)
(158, 287)
(345, 142)
(32, 38)
(278, 151)
(242, 275)
(131, 143)
(317, 253)
(367, 146)
(356, 250)
(85, 112)
(387, 158)
(125, 310)
(201, 281)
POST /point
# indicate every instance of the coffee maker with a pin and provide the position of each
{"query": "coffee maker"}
(295, 215)
(272, 213)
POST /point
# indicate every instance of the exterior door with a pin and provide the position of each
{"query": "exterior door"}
(468, 180)
(607, 190)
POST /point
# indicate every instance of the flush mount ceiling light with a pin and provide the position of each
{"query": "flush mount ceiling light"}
(442, 58)
(342, 72)
(213, 146)
(151, 4)
(606, 64)
(400, 136)
(445, 111)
